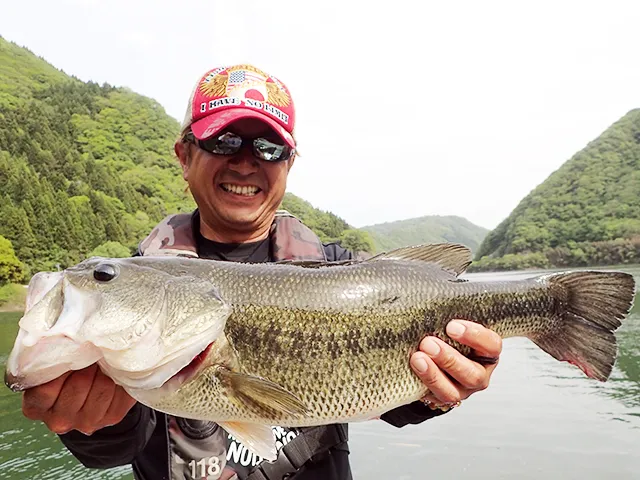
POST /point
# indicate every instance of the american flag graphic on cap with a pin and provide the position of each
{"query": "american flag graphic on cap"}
(239, 77)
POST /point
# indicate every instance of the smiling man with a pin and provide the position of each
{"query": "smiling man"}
(236, 150)
(237, 198)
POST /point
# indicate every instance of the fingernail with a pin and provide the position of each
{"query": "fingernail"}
(430, 347)
(420, 364)
(455, 329)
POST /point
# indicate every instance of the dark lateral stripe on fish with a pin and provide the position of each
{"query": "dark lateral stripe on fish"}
(297, 333)
(298, 343)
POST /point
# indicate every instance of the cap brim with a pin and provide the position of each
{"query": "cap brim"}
(216, 122)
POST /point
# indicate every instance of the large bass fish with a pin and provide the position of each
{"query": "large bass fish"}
(295, 344)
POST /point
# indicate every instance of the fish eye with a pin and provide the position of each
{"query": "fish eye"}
(105, 272)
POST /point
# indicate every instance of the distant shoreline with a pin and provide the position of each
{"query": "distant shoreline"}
(12, 297)
(15, 309)
(11, 308)
(554, 268)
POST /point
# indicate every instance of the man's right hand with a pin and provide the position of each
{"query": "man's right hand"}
(85, 400)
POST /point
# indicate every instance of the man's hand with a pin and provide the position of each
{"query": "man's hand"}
(85, 400)
(465, 376)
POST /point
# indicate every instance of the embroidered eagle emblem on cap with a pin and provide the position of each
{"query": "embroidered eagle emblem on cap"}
(245, 81)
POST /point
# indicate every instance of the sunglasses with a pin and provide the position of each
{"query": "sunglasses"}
(230, 143)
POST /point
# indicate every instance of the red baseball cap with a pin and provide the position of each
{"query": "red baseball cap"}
(226, 94)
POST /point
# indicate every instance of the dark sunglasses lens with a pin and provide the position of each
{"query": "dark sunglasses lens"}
(269, 151)
(225, 144)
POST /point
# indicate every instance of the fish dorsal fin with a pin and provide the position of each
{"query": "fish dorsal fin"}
(451, 257)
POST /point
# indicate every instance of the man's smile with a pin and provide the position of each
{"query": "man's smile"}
(244, 190)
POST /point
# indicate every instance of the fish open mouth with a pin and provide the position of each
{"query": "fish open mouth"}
(188, 371)
(142, 342)
(175, 381)
(169, 375)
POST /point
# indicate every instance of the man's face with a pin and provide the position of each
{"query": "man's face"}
(237, 195)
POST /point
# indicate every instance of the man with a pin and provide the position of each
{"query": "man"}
(236, 150)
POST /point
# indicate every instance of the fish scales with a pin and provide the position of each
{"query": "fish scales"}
(345, 357)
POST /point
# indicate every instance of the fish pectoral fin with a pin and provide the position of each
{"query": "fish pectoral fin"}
(260, 394)
(452, 257)
(256, 437)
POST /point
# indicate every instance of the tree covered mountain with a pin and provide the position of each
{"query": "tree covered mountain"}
(428, 229)
(86, 166)
(585, 213)
(80, 163)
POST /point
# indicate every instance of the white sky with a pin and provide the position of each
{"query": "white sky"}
(404, 108)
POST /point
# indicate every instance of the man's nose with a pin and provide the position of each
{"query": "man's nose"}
(244, 162)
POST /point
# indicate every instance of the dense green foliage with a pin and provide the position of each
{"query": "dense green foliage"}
(80, 164)
(357, 240)
(583, 214)
(12, 297)
(11, 269)
(110, 250)
(611, 252)
(429, 229)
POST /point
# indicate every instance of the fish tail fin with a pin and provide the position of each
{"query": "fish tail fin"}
(596, 302)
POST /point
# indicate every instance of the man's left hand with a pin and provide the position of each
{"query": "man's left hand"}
(463, 376)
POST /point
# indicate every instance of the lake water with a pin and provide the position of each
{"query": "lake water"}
(539, 419)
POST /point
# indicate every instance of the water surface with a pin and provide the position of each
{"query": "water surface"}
(538, 419)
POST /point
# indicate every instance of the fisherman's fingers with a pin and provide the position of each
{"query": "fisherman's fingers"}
(91, 416)
(37, 401)
(440, 386)
(466, 373)
(63, 416)
(485, 342)
(120, 405)
(74, 392)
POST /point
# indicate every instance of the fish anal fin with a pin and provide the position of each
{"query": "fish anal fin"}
(259, 394)
(452, 257)
(256, 437)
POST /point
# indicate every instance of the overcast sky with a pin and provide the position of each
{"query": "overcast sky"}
(404, 108)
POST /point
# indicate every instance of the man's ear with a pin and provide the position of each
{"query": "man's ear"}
(291, 160)
(183, 153)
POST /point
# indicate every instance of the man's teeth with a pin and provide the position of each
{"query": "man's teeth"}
(240, 190)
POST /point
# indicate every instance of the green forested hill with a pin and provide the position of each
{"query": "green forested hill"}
(585, 213)
(83, 165)
(428, 229)
(80, 163)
